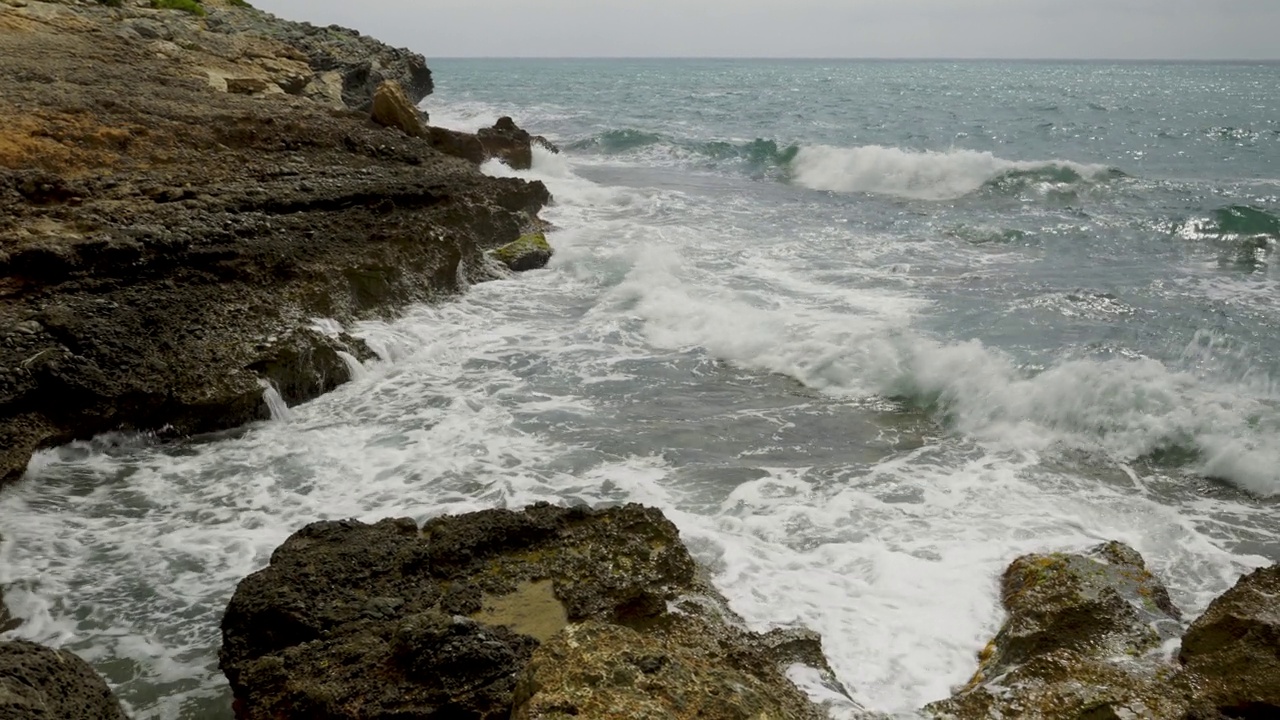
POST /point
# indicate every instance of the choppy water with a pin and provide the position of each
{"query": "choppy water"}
(865, 330)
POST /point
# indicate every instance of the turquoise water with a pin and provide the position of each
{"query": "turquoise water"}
(866, 331)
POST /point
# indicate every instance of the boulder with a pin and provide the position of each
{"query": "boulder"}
(530, 252)
(1232, 652)
(1082, 640)
(391, 108)
(511, 144)
(40, 683)
(476, 614)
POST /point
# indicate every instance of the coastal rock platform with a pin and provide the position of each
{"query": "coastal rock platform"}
(181, 196)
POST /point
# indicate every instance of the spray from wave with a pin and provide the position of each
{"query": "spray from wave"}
(930, 175)
(1121, 409)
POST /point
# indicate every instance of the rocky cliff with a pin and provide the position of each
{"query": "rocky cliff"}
(181, 195)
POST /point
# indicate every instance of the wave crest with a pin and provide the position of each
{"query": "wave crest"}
(929, 174)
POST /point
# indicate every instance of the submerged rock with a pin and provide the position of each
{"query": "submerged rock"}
(530, 252)
(1083, 640)
(476, 615)
(1232, 652)
(40, 683)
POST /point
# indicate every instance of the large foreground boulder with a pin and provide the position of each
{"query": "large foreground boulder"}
(550, 612)
(40, 683)
(1082, 640)
(1232, 652)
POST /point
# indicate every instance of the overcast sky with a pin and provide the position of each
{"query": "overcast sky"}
(1119, 29)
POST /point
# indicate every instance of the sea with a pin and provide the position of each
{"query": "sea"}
(866, 331)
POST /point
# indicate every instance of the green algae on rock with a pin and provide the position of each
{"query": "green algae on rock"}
(530, 252)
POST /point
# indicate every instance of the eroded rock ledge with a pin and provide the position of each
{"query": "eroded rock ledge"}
(181, 196)
(539, 614)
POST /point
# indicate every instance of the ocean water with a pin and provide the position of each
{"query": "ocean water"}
(866, 331)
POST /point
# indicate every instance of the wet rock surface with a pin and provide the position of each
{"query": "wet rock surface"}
(1091, 635)
(476, 615)
(1082, 640)
(165, 242)
(1232, 652)
(530, 252)
(39, 683)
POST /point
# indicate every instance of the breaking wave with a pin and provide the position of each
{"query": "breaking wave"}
(875, 169)
(933, 175)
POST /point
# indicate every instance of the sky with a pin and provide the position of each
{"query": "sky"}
(1111, 29)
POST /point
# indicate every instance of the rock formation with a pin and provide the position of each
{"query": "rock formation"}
(1232, 652)
(1082, 640)
(38, 683)
(530, 252)
(549, 611)
(1087, 637)
(180, 197)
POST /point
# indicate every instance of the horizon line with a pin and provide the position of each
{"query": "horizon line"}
(1272, 60)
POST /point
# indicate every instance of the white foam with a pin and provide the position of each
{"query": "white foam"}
(276, 405)
(924, 175)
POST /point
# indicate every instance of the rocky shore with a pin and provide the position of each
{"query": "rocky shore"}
(181, 196)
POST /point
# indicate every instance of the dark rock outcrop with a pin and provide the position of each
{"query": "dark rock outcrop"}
(1232, 652)
(505, 141)
(1082, 640)
(477, 614)
(512, 144)
(165, 245)
(39, 683)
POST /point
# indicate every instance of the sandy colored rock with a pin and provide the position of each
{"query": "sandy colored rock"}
(247, 86)
(391, 108)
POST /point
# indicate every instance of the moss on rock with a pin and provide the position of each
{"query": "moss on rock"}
(530, 252)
